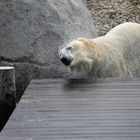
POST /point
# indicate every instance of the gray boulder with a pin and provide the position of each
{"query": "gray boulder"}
(32, 31)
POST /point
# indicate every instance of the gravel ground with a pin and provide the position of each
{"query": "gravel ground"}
(109, 13)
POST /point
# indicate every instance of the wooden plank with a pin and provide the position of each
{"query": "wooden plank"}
(57, 109)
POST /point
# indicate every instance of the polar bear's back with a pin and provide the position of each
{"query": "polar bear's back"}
(128, 32)
(128, 29)
(128, 39)
(122, 43)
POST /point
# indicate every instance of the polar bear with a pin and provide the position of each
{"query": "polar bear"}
(116, 54)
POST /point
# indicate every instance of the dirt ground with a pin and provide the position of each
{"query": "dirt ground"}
(109, 13)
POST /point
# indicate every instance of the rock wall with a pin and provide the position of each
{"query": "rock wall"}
(32, 31)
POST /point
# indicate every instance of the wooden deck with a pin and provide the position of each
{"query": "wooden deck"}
(76, 110)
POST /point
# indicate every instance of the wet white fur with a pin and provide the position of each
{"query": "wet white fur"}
(116, 54)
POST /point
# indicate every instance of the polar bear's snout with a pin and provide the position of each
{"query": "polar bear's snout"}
(65, 57)
(66, 61)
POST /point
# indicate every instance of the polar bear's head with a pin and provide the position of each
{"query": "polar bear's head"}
(79, 54)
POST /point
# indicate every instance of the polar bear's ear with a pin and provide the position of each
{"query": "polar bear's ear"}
(87, 41)
(79, 38)
(82, 38)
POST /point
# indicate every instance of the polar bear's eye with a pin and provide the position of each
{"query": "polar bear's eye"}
(69, 48)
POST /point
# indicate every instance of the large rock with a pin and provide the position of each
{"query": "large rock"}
(31, 32)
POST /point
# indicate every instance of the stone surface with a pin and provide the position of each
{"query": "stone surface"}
(113, 12)
(32, 31)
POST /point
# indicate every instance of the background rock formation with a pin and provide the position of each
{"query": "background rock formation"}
(31, 32)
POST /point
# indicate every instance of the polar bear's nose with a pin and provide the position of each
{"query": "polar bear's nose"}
(66, 61)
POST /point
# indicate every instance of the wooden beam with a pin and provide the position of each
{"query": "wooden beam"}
(7, 93)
